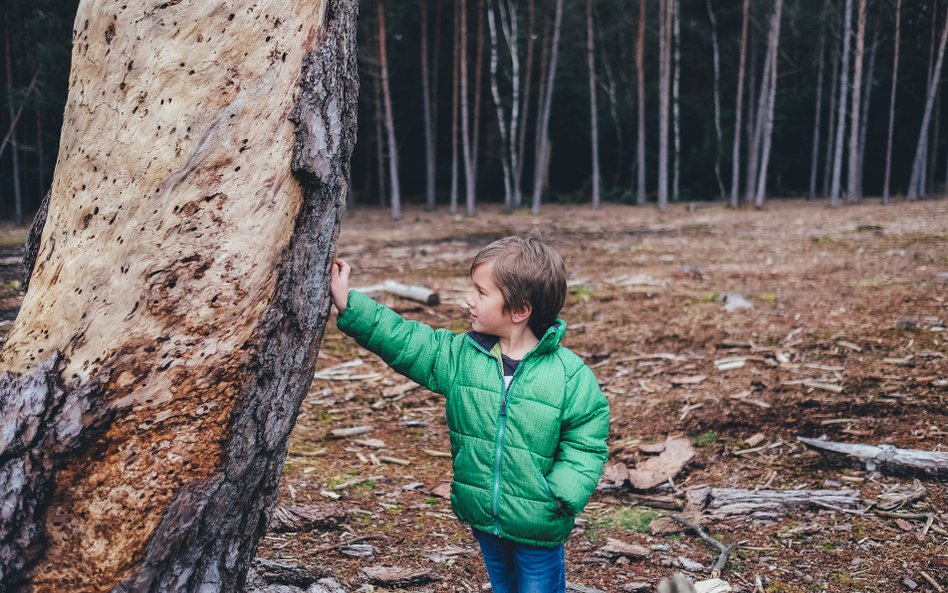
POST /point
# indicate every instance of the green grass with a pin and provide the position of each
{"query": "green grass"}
(634, 519)
(707, 439)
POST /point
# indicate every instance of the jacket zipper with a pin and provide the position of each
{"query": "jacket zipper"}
(501, 426)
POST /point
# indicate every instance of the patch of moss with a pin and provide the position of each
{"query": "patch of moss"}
(707, 439)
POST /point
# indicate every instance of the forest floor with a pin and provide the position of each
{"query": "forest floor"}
(844, 339)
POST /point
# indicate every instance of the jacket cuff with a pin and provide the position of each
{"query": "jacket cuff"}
(358, 317)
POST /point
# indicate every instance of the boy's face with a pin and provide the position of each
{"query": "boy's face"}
(487, 304)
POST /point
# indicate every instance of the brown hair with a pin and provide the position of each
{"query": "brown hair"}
(528, 272)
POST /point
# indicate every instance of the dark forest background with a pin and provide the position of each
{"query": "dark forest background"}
(36, 54)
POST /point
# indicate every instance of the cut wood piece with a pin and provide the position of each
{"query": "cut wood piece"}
(615, 548)
(658, 470)
(412, 292)
(341, 433)
(726, 503)
(395, 576)
(885, 458)
(306, 517)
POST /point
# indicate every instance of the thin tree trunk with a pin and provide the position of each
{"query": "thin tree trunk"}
(14, 146)
(544, 123)
(380, 140)
(853, 183)
(717, 97)
(466, 148)
(426, 110)
(593, 114)
(817, 116)
(895, 83)
(760, 124)
(739, 110)
(832, 111)
(640, 192)
(774, 43)
(511, 28)
(611, 92)
(455, 106)
(525, 104)
(173, 321)
(917, 179)
(478, 89)
(931, 151)
(751, 131)
(505, 138)
(843, 98)
(541, 101)
(664, 83)
(866, 102)
(40, 153)
(676, 85)
(389, 116)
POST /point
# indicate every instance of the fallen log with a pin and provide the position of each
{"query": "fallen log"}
(412, 292)
(727, 503)
(885, 458)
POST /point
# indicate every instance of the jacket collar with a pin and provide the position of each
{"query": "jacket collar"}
(549, 342)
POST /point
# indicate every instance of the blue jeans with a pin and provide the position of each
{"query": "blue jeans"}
(519, 568)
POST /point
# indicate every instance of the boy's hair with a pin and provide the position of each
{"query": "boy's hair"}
(528, 272)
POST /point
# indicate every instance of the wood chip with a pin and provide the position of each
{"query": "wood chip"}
(849, 345)
(394, 460)
(728, 364)
(755, 440)
(433, 453)
(824, 386)
(615, 548)
(341, 433)
(657, 470)
(370, 443)
(306, 517)
(689, 380)
(894, 360)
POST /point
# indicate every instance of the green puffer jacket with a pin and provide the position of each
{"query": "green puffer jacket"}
(516, 453)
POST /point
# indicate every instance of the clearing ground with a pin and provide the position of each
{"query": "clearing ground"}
(844, 338)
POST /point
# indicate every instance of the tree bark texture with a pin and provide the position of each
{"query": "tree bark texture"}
(179, 294)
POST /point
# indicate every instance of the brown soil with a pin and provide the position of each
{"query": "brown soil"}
(833, 288)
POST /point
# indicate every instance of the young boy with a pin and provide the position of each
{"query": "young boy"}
(526, 418)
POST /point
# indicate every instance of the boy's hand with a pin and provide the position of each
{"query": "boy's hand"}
(339, 284)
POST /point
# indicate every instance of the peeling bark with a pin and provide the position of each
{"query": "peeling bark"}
(183, 276)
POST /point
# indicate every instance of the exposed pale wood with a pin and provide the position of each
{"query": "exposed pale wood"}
(179, 292)
(886, 458)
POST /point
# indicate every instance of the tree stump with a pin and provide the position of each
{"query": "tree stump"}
(179, 292)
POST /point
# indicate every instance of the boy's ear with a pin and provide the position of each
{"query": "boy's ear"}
(522, 314)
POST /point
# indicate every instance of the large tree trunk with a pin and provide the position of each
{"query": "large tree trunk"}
(841, 116)
(543, 125)
(815, 150)
(640, 195)
(179, 293)
(389, 115)
(895, 84)
(593, 114)
(852, 193)
(739, 111)
(915, 185)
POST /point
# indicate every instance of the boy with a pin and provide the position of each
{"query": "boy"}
(526, 418)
